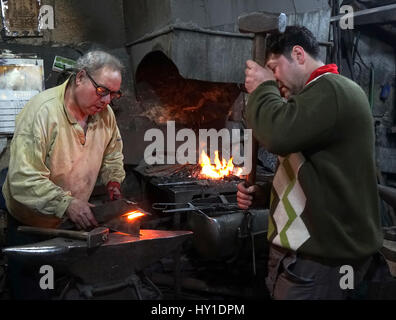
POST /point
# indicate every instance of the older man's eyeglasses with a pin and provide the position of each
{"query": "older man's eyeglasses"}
(103, 91)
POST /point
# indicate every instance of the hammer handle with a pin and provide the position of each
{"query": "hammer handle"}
(251, 177)
(81, 235)
(259, 52)
(259, 48)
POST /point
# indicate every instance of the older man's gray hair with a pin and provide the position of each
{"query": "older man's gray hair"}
(92, 61)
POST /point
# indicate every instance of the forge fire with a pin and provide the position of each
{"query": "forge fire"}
(220, 169)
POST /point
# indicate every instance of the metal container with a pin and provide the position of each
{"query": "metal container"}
(222, 237)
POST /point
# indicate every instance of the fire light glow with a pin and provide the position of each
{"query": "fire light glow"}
(133, 215)
(220, 169)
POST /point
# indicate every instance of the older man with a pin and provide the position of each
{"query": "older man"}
(65, 138)
(324, 202)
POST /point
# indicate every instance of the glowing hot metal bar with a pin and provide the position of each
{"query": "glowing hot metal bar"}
(133, 215)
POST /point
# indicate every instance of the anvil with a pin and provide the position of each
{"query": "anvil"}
(120, 256)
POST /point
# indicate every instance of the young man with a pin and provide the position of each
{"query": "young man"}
(324, 202)
(65, 138)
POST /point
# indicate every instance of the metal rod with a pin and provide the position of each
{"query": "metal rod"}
(173, 27)
(196, 208)
(253, 254)
(326, 43)
(191, 207)
(177, 183)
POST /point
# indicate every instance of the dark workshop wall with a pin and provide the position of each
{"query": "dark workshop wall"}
(79, 26)
(376, 70)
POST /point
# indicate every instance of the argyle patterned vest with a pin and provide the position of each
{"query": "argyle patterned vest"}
(287, 203)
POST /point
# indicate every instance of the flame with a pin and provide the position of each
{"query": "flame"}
(133, 215)
(220, 169)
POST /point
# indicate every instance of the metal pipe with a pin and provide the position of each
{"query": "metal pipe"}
(173, 27)
(326, 43)
(177, 183)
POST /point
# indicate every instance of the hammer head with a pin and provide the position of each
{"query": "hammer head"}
(97, 236)
(262, 22)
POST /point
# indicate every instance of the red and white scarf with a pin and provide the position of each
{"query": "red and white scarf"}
(328, 68)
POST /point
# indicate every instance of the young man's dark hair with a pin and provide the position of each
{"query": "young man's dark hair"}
(283, 43)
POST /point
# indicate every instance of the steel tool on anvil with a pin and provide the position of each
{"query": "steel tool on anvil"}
(94, 238)
(105, 215)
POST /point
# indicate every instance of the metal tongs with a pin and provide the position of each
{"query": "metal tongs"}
(164, 206)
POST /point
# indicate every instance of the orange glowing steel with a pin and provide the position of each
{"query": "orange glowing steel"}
(220, 169)
(133, 215)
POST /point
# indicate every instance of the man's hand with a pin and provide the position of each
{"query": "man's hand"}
(114, 190)
(80, 213)
(256, 75)
(285, 93)
(254, 195)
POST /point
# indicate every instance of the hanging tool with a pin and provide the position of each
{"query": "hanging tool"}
(163, 206)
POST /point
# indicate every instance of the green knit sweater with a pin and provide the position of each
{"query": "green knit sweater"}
(324, 201)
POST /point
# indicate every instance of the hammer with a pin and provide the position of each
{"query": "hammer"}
(261, 24)
(94, 237)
